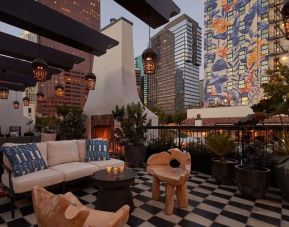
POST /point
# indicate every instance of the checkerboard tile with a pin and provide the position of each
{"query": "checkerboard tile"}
(209, 205)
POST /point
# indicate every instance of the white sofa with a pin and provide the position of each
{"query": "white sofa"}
(65, 161)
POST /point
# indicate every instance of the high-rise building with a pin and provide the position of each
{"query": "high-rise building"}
(88, 13)
(242, 40)
(144, 81)
(175, 85)
(138, 81)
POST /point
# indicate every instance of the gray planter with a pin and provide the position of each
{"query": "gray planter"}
(253, 183)
(224, 172)
(134, 155)
(282, 176)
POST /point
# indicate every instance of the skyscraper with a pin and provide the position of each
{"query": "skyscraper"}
(88, 13)
(144, 80)
(242, 40)
(175, 85)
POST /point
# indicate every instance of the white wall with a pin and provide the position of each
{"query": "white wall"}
(11, 117)
(115, 74)
(220, 112)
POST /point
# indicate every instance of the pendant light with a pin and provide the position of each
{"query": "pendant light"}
(90, 79)
(59, 90)
(149, 58)
(4, 91)
(39, 66)
(16, 103)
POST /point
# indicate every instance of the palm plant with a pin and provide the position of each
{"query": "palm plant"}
(220, 144)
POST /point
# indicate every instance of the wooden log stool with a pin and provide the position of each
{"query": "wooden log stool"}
(175, 179)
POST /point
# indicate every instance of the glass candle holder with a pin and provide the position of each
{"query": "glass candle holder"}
(121, 169)
(109, 170)
(115, 170)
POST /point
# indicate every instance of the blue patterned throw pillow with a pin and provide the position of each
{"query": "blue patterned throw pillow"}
(96, 150)
(24, 159)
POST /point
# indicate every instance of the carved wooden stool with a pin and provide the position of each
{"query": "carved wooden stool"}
(175, 179)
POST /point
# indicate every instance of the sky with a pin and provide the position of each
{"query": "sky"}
(110, 9)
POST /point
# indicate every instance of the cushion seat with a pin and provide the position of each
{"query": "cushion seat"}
(75, 170)
(107, 163)
(25, 183)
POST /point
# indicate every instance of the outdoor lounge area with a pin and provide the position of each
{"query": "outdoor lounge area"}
(165, 113)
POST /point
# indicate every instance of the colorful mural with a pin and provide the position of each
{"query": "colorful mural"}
(236, 51)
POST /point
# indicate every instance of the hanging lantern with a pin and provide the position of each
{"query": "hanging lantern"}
(59, 90)
(16, 105)
(285, 15)
(4, 93)
(39, 69)
(40, 96)
(149, 58)
(90, 80)
(26, 101)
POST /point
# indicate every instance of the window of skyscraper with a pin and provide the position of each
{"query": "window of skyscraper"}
(242, 10)
(209, 88)
(230, 15)
(264, 3)
(241, 83)
(242, 54)
(264, 65)
(230, 56)
(230, 29)
(242, 25)
(229, 43)
(229, 85)
(242, 40)
(244, 101)
(265, 17)
(265, 33)
(265, 49)
(230, 72)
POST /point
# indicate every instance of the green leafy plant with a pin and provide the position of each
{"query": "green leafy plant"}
(220, 144)
(72, 125)
(133, 124)
(196, 148)
(47, 124)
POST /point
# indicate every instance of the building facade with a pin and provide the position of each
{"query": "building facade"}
(242, 40)
(175, 85)
(88, 13)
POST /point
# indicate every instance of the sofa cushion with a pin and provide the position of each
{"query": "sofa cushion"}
(24, 159)
(59, 152)
(75, 170)
(96, 150)
(41, 146)
(26, 182)
(107, 163)
(81, 149)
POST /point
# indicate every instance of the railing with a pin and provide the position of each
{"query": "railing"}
(182, 135)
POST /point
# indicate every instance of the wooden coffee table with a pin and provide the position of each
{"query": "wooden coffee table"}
(114, 190)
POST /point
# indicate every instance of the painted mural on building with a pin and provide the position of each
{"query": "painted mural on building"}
(236, 51)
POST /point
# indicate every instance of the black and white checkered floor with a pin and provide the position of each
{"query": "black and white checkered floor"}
(209, 205)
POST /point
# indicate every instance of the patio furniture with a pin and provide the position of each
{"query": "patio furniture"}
(158, 165)
(66, 210)
(114, 189)
(65, 161)
(45, 137)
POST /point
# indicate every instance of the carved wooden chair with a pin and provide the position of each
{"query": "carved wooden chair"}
(66, 210)
(158, 165)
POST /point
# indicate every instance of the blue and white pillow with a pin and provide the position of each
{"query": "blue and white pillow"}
(24, 159)
(96, 150)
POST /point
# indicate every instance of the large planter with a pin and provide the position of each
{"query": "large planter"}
(134, 155)
(282, 176)
(253, 183)
(201, 163)
(224, 171)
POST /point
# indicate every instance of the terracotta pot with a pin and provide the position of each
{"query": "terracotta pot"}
(224, 171)
(253, 183)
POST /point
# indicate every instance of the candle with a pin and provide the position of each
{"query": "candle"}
(121, 169)
(109, 170)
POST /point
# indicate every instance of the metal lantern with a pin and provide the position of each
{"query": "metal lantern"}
(90, 80)
(4, 93)
(149, 58)
(285, 15)
(59, 90)
(26, 101)
(16, 105)
(40, 96)
(39, 69)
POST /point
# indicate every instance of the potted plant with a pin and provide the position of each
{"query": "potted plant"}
(200, 157)
(132, 133)
(221, 145)
(281, 163)
(253, 176)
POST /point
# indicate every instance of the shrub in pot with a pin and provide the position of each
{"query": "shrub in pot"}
(132, 132)
(281, 164)
(200, 157)
(253, 176)
(221, 145)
